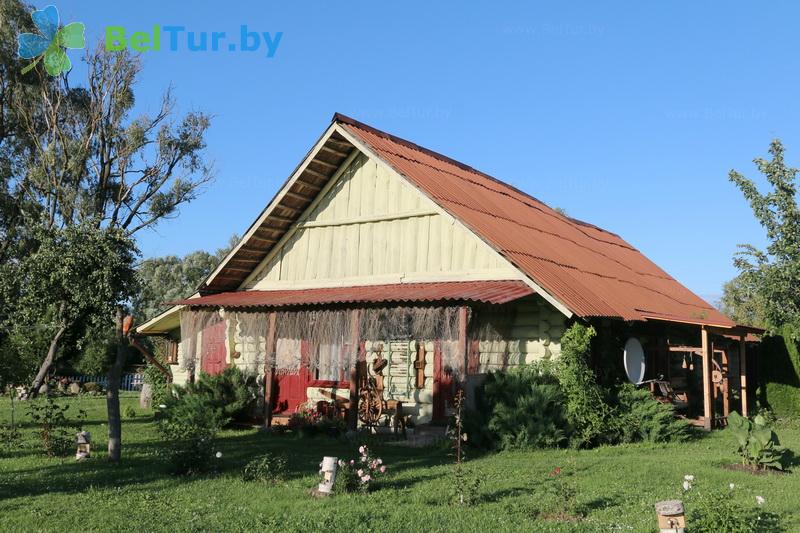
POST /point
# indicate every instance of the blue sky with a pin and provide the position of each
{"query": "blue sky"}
(628, 115)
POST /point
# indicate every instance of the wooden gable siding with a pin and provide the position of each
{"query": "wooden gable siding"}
(371, 226)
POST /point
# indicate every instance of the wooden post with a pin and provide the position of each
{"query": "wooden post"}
(708, 414)
(269, 368)
(743, 374)
(462, 337)
(352, 413)
(726, 392)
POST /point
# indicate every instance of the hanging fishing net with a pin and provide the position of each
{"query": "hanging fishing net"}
(192, 325)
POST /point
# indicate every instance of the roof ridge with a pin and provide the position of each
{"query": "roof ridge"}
(344, 119)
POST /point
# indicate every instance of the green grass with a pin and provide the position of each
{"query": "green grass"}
(617, 485)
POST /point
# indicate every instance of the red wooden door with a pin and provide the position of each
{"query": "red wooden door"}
(442, 386)
(291, 389)
(214, 355)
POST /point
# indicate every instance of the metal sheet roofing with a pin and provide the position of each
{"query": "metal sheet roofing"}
(494, 292)
(593, 272)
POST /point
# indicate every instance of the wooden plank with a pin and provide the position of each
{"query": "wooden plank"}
(298, 196)
(331, 166)
(726, 410)
(707, 406)
(355, 344)
(463, 318)
(337, 153)
(269, 369)
(316, 174)
(743, 375)
(304, 183)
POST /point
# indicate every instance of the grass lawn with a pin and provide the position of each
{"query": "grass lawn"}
(616, 485)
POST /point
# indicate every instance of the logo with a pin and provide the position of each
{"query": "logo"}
(52, 43)
(177, 37)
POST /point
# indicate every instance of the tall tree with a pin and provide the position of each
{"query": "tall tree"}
(163, 279)
(773, 274)
(91, 163)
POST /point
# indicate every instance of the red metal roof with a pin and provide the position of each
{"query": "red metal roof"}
(494, 292)
(592, 271)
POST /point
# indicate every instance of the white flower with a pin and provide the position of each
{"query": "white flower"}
(360, 473)
(162, 406)
(689, 478)
(361, 449)
(379, 461)
(219, 455)
(686, 485)
(731, 486)
(760, 500)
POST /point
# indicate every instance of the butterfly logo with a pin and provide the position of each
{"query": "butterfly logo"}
(52, 43)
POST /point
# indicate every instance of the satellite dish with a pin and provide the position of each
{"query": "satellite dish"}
(633, 359)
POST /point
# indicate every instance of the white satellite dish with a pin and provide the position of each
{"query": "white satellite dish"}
(633, 359)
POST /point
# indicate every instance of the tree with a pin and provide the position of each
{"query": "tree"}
(74, 280)
(770, 279)
(164, 279)
(89, 163)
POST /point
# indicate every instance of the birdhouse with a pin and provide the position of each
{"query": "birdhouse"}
(84, 439)
(328, 471)
(671, 517)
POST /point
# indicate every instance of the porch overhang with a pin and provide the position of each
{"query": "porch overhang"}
(490, 292)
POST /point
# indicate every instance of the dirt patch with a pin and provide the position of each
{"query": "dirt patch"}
(753, 470)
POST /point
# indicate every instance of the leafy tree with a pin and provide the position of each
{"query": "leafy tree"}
(773, 274)
(73, 281)
(742, 301)
(87, 162)
(164, 279)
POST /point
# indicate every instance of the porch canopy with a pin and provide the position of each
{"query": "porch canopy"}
(491, 292)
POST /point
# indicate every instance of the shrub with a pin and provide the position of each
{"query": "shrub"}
(189, 425)
(359, 474)
(642, 418)
(230, 391)
(158, 384)
(587, 410)
(130, 412)
(267, 468)
(557, 495)
(465, 486)
(519, 408)
(758, 444)
(55, 429)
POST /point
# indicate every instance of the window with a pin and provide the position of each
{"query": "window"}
(171, 352)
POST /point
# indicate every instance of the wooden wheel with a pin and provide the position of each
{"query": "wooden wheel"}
(370, 407)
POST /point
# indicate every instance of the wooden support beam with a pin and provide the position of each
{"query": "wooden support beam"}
(316, 174)
(150, 358)
(297, 196)
(463, 317)
(743, 375)
(355, 344)
(269, 368)
(726, 390)
(708, 414)
(308, 184)
(318, 161)
(278, 218)
(337, 153)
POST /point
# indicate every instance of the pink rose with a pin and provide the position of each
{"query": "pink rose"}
(383, 469)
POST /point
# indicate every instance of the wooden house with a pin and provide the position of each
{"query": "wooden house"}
(385, 266)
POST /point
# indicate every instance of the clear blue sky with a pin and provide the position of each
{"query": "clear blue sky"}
(628, 115)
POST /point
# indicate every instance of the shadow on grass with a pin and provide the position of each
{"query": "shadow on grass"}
(142, 463)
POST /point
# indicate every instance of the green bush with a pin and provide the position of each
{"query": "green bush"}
(189, 426)
(267, 468)
(641, 418)
(158, 384)
(56, 431)
(230, 391)
(518, 408)
(758, 444)
(587, 409)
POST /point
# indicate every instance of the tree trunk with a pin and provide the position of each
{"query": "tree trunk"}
(112, 395)
(47, 363)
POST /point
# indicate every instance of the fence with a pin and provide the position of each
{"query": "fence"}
(129, 382)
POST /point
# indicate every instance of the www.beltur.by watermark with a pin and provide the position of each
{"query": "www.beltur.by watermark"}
(175, 38)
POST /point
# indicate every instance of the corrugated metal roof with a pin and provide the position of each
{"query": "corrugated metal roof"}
(494, 292)
(592, 271)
